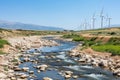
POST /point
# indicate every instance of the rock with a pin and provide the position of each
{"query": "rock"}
(42, 67)
(75, 76)
(23, 76)
(25, 69)
(16, 68)
(58, 60)
(2, 75)
(38, 71)
(18, 74)
(13, 78)
(101, 64)
(82, 60)
(31, 72)
(26, 59)
(32, 60)
(68, 74)
(47, 78)
(118, 74)
(10, 75)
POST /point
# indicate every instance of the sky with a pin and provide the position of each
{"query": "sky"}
(68, 14)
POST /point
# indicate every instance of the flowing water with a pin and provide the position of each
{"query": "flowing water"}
(58, 60)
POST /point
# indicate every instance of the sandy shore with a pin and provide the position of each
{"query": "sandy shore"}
(18, 45)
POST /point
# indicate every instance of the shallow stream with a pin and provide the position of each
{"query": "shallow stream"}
(58, 60)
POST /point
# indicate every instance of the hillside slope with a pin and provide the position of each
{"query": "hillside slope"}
(17, 25)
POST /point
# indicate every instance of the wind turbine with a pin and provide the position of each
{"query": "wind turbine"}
(85, 24)
(102, 17)
(93, 21)
(82, 26)
(108, 20)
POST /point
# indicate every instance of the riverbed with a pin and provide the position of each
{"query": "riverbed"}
(58, 61)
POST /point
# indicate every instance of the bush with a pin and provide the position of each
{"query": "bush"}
(112, 33)
(70, 36)
(114, 41)
(78, 39)
(93, 38)
(3, 42)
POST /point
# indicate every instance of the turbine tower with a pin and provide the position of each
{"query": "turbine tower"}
(93, 21)
(109, 22)
(85, 24)
(102, 17)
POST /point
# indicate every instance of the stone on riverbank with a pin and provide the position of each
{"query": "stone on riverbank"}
(68, 74)
(47, 78)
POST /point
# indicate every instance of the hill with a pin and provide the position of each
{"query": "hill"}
(17, 25)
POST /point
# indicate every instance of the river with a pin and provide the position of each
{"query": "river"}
(58, 60)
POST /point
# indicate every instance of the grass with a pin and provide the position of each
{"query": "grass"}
(3, 42)
(114, 41)
(78, 38)
(1, 52)
(114, 49)
(112, 46)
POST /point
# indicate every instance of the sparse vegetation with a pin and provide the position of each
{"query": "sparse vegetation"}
(71, 36)
(112, 45)
(3, 42)
(1, 52)
(114, 49)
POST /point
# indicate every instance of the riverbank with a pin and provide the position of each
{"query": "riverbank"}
(17, 46)
(98, 59)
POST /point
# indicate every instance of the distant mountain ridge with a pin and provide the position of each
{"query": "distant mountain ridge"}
(18, 25)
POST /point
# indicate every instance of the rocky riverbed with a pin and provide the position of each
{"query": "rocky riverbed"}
(54, 59)
(17, 46)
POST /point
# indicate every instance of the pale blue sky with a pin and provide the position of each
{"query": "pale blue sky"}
(60, 13)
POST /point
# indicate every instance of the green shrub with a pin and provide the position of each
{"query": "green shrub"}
(114, 41)
(112, 33)
(78, 39)
(70, 36)
(93, 38)
(3, 42)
